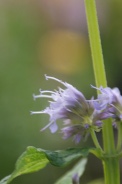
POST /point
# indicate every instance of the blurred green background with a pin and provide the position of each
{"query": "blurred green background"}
(40, 37)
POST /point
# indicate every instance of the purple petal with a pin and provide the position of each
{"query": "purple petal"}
(77, 138)
(53, 127)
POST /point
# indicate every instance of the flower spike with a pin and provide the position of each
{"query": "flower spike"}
(78, 114)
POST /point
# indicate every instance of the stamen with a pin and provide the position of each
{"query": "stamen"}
(53, 78)
(37, 112)
(115, 107)
(36, 96)
(61, 90)
(93, 100)
(40, 96)
(47, 91)
(95, 87)
(47, 126)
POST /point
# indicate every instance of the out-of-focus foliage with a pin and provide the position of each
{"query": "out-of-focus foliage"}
(43, 36)
(99, 181)
(77, 169)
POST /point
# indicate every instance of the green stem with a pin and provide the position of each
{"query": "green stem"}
(98, 64)
(108, 137)
(119, 143)
(95, 43)
(95, 140)
(111, 171)
(111, 166)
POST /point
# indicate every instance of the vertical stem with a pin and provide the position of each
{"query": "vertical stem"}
(95, 43)
(111, 171)
(108, 137)
(111, 165)
(98, 64)
(119, 141)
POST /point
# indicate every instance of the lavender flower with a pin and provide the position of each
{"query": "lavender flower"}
(110, 100)
(77, 113)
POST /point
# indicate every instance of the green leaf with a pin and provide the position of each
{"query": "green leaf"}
(30, 161)
(77, 169)
(34, 159)
(4, 180)
(64, 157)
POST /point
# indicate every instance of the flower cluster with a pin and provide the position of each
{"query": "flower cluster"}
(111, 101)
(79, 115)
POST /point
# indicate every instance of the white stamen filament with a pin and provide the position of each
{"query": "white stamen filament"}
(38, 112)
(46, 91)
(53, 78)
(47, 126)
(61, 90)
(40, 96)
(115, 107)
(101, 89)
(93, 100)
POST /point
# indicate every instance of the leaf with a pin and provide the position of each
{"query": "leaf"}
(64, 157)
(77, 169)
(4, 180)
(30, 161)
(34, 159)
